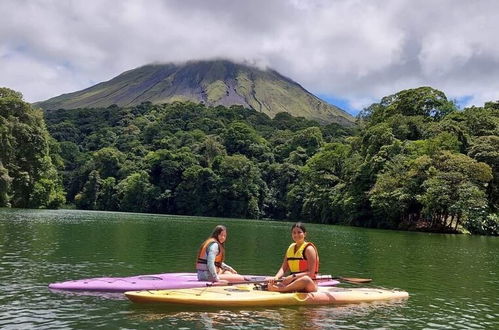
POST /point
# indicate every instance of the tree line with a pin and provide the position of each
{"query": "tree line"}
(413, 161)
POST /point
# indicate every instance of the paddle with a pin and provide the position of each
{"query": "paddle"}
(354, 280)
(263, 280)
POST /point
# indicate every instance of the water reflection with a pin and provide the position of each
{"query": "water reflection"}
(315, 317)
(98, 294)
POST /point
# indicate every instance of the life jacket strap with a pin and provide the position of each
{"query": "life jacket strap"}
(204, 262)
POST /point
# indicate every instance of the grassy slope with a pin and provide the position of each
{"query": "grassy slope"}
(213, 82)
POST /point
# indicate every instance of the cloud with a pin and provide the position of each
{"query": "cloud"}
(354, 50)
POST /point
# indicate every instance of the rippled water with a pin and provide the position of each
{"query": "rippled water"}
(453, 279)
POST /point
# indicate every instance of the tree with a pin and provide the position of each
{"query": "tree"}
(87, 198)
(165, 167)
(197, 194)
(321, 185)
(394, 194)
(5, 181)
(136, 193)
(427, 102)
(47, 194)
(486, 149)
(240, 138)
(241, 189)
(486, 224)
(107, 198)
(309, 140)
(454, 190)
(481, 121)
(29, 177)
(209, 149)
(435, 144)
(279, 179)
(65, 131)
(108, 161)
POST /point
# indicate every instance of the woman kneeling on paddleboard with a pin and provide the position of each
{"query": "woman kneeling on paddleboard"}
(210, 262)
(301, 260)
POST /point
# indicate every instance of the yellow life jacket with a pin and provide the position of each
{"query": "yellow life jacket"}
(297, 261)
(201, 263)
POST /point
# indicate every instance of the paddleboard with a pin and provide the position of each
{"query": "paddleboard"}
(146, 282)
(133, 283)
(248, 295)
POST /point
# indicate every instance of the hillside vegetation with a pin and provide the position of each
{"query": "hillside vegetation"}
(413, 162)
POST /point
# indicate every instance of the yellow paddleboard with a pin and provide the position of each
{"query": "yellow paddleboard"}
(246, 295)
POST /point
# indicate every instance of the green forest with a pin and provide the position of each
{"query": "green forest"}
(413, 161)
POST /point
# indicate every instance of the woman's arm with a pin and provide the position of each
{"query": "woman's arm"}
(284, 268)
(212, 252)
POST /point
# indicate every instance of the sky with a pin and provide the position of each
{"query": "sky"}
(350, 53)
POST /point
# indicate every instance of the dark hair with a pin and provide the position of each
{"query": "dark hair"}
(299, 225)
(218, 229)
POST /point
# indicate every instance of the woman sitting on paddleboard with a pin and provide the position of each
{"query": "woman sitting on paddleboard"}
(301, 261)
(210, 262)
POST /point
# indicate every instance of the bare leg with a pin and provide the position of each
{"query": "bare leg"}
(302, 284)
(231, 277)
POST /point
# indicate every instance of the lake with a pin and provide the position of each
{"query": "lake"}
(453, 280)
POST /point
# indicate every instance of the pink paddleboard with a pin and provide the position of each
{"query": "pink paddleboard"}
(139, 282)
(146, 282)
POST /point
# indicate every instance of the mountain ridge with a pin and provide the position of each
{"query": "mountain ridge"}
(216, 82)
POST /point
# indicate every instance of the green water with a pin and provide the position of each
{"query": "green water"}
(453, 280)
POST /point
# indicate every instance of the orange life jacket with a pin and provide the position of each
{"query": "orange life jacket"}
(297, 261)
(201, 263)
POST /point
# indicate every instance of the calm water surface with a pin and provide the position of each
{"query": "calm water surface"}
(453, 279)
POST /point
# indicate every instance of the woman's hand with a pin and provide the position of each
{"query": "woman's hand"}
(288, 279)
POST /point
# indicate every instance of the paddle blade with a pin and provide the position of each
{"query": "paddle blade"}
(355, 280)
